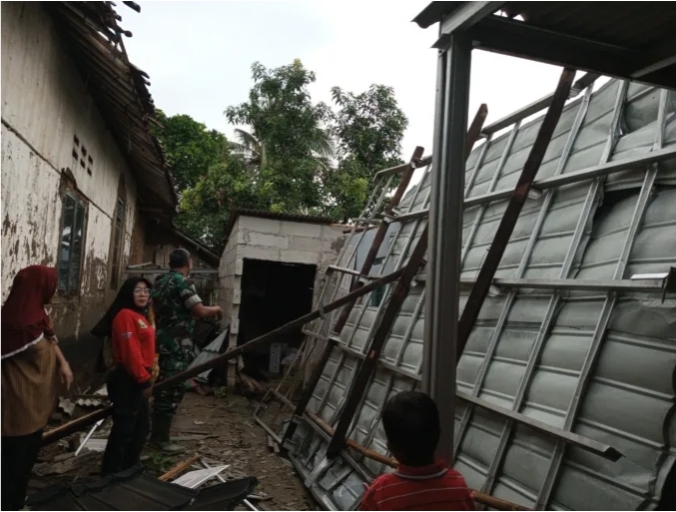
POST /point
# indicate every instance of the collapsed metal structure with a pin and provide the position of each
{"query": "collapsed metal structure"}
(564, 388)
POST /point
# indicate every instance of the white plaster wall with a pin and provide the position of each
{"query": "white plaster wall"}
(44, 104)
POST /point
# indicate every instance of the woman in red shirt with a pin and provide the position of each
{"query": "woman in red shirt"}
(133, 344)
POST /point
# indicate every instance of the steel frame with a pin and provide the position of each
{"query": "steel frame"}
(483, 371)
(539, 344)
(600, 331)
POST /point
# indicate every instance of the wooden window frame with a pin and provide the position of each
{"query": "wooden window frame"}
(68, 190)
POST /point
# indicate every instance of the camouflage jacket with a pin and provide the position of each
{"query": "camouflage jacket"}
(174, 296)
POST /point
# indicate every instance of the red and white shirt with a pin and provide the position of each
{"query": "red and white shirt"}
(134, 344)
(433, 487)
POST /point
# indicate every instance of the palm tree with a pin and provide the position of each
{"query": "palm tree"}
(252, 151)
(249, 149)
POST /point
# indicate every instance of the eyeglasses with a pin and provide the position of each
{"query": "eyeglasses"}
(142, 291)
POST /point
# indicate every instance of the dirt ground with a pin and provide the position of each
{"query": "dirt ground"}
(222, 430)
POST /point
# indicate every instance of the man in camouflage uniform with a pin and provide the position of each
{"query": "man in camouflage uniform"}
(176, 306)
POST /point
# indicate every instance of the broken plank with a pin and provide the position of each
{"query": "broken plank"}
(179, 468)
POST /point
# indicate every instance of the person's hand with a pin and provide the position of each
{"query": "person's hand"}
(66, 374)
(155, 370)
(148, 392)
(219, 313)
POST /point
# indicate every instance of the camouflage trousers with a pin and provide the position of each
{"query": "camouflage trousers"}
(176, 354)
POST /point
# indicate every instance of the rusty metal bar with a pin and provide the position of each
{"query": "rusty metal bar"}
(380, 234)
(519, 196)
(368, 366)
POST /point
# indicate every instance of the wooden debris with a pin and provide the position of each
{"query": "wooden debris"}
(66, 463)
(272, 444)
(179, 468)
(75, 425)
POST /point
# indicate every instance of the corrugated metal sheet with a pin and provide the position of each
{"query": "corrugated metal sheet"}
(535, 350)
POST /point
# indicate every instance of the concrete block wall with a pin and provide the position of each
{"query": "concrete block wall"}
(273, 240)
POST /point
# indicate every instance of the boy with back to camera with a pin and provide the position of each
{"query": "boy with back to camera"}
(421, 482)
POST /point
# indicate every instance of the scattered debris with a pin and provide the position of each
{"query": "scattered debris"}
(66, 464)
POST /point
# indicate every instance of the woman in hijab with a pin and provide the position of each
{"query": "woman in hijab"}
(128, 323)
(31, 364)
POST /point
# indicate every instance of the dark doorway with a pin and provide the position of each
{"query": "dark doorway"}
(273, 294)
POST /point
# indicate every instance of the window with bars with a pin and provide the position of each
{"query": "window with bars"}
(117, 243)
(71, 243)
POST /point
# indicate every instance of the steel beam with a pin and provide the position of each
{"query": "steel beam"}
(656, 285)
(587, 444)
(539, 105)
(597, 171)
(525, 258)
(466, 15)
(546, 325)
(519, 39)
(511, 215)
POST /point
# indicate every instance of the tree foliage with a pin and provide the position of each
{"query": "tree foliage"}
(368, 128)
(287, 137)
(190, 147)
(288, 154)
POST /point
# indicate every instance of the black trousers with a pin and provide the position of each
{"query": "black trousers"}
(131, 423)
(18, 454)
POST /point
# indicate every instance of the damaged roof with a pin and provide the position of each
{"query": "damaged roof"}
(93, 38)
(565, 393)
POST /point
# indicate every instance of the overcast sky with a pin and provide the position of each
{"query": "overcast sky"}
(199, 56)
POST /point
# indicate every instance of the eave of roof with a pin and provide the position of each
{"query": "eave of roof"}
(94, 39)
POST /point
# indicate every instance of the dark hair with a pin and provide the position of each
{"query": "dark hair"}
(411, 422)
(123, 300)
(179, 258)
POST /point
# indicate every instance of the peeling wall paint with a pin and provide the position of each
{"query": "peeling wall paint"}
(45, 105)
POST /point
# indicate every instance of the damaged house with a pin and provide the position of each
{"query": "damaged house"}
(85, 186)
(559, 393)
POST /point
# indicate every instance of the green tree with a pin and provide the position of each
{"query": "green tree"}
(287, 146)
(190, 147)
(368, 128)
(206, 208)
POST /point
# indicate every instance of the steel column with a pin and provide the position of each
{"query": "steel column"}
(445, 228)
